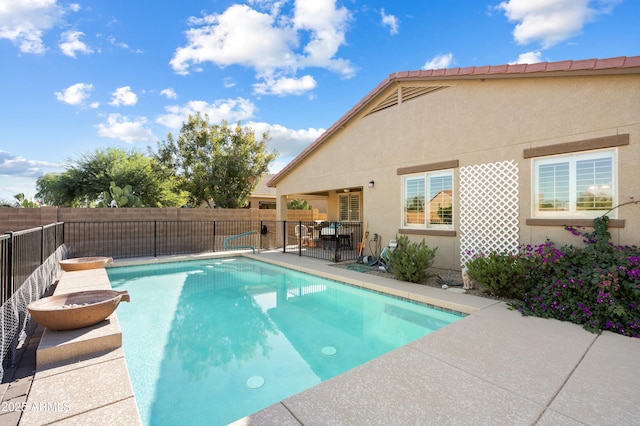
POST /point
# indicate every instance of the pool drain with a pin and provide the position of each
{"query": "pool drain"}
(329, 350)
(255, 382)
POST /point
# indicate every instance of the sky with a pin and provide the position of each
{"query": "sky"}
(78, 76)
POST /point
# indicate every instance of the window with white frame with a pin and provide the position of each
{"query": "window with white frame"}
(577, 185)
(349, 208)
(428, 200)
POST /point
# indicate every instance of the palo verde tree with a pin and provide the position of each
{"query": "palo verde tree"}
(218, 163)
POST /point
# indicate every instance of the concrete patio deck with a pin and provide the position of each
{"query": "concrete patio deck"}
(492, 367)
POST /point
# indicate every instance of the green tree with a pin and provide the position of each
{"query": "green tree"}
(299, 205)
(216, 163)
(82, 184)
(57, 189)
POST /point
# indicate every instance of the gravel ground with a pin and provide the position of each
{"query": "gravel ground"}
(451, 277)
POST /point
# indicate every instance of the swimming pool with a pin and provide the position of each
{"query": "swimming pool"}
(211, 341)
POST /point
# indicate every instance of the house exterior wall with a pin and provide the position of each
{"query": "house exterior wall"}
(477, 122)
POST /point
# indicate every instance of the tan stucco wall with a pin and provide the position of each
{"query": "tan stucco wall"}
(476, 122)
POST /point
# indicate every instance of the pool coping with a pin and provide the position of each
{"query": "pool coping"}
(449, 376)
(494, 366)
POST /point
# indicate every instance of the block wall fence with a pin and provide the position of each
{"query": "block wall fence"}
(18, 219)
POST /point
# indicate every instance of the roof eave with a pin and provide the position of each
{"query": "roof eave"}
(617, 65)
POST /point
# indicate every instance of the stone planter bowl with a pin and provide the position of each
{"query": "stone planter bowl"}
(84, 263)
(76, 310)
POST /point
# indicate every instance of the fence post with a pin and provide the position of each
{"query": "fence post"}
(155, 238)
(284, 236)
(299, 238)
(41, 244)
(6, 291)
(336, 242)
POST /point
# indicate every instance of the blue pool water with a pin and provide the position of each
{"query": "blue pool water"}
(211, 341)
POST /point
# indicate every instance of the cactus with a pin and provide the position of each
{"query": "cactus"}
(120, 197)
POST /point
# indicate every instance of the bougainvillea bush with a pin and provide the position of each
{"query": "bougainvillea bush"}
(597, 285)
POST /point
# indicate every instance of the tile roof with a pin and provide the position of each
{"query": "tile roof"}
(617, 65)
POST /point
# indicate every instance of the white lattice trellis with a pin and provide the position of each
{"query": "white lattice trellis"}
(488, 209)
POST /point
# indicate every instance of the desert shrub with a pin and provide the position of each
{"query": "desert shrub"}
(410, 261)
(597, 285)
(500, 274)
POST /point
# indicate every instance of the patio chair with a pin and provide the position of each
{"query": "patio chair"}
(302, 234)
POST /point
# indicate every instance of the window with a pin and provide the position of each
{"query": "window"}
(349, 208)
(428, 200)
(574, 185)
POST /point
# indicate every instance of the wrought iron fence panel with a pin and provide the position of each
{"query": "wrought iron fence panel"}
(22, 252)
(111, 239)
(29, 265)
(331, 241)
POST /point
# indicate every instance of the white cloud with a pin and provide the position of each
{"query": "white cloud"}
(232, 110)
(169, 93)
(273, 6)
(270, 43)
(327, 25)
(70, 44)
(528, 58)
(390, 21)
(10, 165)
(439, 62)
(288, 142)
(75, 94)
(25, 21)
(285, 86)
(130, 131)
(114, 42)
(240, 35)
(123, 96)
(552, 21)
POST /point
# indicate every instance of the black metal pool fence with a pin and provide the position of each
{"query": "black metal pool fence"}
(22, 252)
(29, 259)
(29, 264)
(333, 241)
